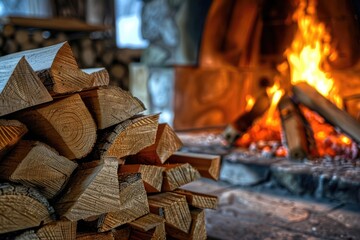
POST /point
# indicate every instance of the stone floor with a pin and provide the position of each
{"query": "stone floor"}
(267, 211)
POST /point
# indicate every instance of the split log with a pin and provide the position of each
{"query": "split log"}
(167, 142)
(20, 87)
(37, 165)
(174, 208)
(22, 207)
(308, 96)
(152, 176)
(150, 226)
(27, 235)
(58, 230)
(11, 131)
(66, 125)
(199, 200)
(197, 229)
(95, 236)
(112, 105)
(177, 175)
(94, 190)
(133, 203)
(128, 137)
(208, 165)
(56, 67)
(297, 136)
(122, 233)
(99, 75)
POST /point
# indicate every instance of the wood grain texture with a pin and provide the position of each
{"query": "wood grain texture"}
(58, 230)
(11, 132)
(111, 105)
(22, 207)
(167, 142)
(100, 76)
(199, 200)
(37, 165)
(174, 208)
(20, 87)
(65, 124)
(177, 175)
(150, 226)
(95, 236)
(94, 190)
(133, 203)
(128, 137)
(208, 165)
(152, 176)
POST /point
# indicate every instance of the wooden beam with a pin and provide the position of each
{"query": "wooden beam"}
(65, 124)
(22, 207)
(35, 164)
(199, 200)
(174, 208)
(94, 190)
(11, 132)
(58, 230)
(208, 165)
(133, 203)
(111, 105)
(20, 87)
(152, 176)
(150, 226)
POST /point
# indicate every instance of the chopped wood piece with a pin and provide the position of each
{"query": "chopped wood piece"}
(133, 203)
(177, 175)
(298, 137)
(150, 226)
(66, 125)
(199, 200)
(152, 176)
(94, 190)
(174, 208)
(11, 131)
(95, 236)
(167, 142)
(99, 75)
(35, 164)
(122, 233)
(208, 165)
(20, 87)
(128, 137)
(197, 230)
(112, 105)
(22, 207)
(27, 235)
(59, 230)
(56, 67)
(308, 96)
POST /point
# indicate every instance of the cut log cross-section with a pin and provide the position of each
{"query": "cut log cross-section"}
(22, 207)
(66, 125)
(99, 75)
(112, 105)
(167, 142)
(20, 87)
(150, 226)
(94, 190)
(11, 132)
(208, 165)
(37, 165)
(199, 200)
(177, 175)
(133, 203)
(58, 230)
(152, 176)
(128, 137)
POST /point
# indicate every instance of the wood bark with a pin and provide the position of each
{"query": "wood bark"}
(208, 165)
(152, 176)
(308, 96)
(167, 142)
(133, 203)
(58, 230)
(20, 87)
(66, 125)
(150, 226)
(199, 200)
(37, 165)
(94, 190)
(129, 137)
(22, 207)
(174, 208)
(11, 132)
(177, 175)
(112, 105)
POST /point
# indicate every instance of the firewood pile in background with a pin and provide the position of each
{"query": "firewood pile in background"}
(78, 160)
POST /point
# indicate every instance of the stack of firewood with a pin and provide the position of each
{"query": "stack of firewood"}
(78, 160)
